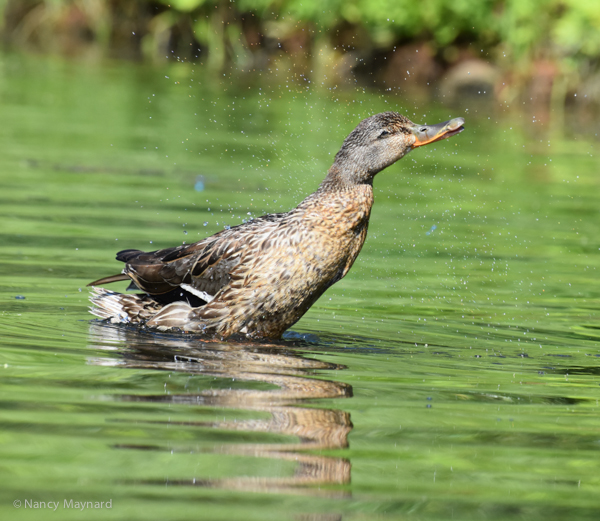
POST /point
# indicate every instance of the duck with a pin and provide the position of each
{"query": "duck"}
(257, 279)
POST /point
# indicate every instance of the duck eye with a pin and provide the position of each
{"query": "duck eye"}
(383, 133)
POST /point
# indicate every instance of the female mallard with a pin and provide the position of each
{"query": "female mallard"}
(257, 279)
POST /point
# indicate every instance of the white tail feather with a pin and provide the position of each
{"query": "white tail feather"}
(108, 305)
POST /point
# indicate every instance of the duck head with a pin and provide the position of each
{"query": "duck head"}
(379, 141)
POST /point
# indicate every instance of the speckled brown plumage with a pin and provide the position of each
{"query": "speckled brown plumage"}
(257, 279)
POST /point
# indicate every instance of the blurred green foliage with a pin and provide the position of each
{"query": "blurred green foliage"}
(571, 27)
(522, 31)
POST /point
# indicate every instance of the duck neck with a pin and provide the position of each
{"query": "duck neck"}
(342, 176)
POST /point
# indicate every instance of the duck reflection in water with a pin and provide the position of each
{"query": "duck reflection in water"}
(283, 365)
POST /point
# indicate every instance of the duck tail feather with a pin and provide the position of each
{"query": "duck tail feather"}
(173, 316)
(122, 309)
(112, 278)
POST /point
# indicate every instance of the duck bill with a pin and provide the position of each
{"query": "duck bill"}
(425, 134)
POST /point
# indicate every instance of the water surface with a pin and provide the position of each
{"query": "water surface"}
(454, 373)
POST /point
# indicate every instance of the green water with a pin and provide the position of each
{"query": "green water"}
(454, 373)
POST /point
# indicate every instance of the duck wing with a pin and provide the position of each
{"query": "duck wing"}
(202, 268)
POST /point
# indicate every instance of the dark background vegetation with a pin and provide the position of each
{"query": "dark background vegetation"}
(543, 52)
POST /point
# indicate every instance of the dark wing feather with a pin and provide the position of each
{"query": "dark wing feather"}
(127, 255)
(205, 265)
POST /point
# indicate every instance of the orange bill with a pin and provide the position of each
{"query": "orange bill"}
(426, 134)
